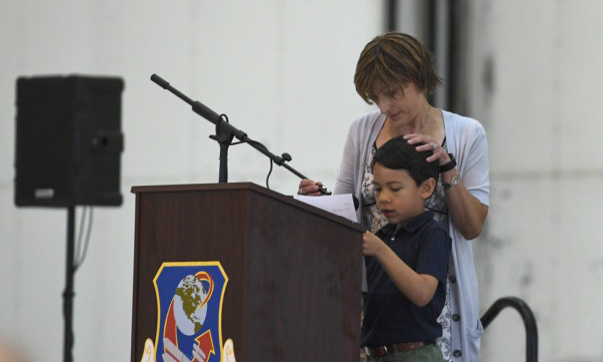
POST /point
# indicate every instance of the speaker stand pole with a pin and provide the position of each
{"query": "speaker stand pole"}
(68, 293)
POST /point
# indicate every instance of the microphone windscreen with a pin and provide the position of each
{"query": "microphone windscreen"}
(160, 81)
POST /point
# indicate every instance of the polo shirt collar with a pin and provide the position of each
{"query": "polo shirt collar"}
(411, 225)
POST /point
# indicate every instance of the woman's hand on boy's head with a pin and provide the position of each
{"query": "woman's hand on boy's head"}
(427, 143)
(371, 244)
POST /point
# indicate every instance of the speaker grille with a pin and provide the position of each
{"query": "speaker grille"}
(68, 141)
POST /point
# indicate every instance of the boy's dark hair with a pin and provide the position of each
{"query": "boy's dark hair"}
(397, 154)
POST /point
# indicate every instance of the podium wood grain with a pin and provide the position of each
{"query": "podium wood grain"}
(294, 271)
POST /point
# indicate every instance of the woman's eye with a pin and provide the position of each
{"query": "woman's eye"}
(392, 93)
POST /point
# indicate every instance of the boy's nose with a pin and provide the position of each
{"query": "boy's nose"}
(383, 198)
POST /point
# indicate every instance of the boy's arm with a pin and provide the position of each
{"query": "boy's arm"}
(418, 288)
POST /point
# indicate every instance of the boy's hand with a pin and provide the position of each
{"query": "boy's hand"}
(371, 244)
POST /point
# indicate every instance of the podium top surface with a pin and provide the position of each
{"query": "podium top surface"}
(247, 186)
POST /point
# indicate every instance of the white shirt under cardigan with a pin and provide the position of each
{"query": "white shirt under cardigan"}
(466, 140)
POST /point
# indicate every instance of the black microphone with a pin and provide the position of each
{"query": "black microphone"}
(323, 190)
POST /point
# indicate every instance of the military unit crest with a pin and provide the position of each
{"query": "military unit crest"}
(189, 299)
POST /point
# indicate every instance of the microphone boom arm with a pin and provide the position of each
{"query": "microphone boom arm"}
(225, 133)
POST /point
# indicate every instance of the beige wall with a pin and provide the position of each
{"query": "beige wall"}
(543, 116)
(282, 72)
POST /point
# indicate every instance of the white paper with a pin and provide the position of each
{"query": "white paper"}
(342, 205)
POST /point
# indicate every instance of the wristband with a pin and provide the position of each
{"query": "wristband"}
(450, 165)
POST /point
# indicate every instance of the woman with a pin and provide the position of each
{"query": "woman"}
(396, 72)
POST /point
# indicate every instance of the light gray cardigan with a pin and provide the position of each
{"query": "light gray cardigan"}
(466, 140)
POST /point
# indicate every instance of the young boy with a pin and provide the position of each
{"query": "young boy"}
(406, 261)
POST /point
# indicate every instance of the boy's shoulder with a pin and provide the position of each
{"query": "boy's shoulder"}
(435, 224)
(424, 221)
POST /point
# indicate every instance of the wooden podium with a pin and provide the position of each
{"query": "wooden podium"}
(293, 271)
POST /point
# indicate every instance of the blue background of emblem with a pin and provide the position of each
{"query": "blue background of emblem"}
(167, 283)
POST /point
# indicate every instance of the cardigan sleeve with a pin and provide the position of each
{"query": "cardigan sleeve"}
(473, 161)
(345, 175)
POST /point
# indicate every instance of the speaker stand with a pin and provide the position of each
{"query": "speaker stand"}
(68, 293)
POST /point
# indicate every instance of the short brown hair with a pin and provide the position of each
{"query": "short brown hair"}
(394, 59)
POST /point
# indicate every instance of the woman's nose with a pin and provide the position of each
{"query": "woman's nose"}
(383, 105)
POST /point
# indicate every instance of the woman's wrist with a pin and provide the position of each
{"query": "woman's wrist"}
(449, 178)
(454, 180)
(449, 165)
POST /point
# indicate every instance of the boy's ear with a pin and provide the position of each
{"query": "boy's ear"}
(427, 187)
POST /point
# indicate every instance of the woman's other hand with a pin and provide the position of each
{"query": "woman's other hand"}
(309, 187)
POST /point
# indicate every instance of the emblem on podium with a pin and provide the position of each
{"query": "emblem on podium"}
(189, 317)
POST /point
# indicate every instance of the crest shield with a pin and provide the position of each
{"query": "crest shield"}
(189, 316)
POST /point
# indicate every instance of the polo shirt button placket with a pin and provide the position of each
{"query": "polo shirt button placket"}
(452, 278)
(456, 317)
(457, 353)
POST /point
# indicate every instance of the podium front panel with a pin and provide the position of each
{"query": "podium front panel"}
(294, 273)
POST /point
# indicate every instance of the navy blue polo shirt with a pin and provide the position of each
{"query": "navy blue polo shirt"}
(389, 317)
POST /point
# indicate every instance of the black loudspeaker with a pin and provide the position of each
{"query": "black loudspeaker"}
(68, 141)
